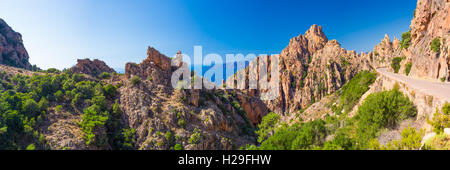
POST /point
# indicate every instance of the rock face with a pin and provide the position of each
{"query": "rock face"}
(12, 50)
(156, 65)
(431, 21)
(199, 119)
(93, 68)
(311, 67)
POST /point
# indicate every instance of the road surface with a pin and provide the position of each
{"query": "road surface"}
(436, 89)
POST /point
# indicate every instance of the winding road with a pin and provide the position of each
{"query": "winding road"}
(437, 89)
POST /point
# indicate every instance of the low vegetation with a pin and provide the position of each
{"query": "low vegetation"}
(382, 110)
(441, 119)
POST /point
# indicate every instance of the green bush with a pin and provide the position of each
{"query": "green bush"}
(435, 45)
(181, 123)
(195, 137)
(53, 70)
(129, 136)
(298, 136)
(382, 110)
(30, 107)
(59, 96)
(110, 90)
(267, 126)
(58, 108)
(92, 118)
(105, 75)
(406, 40)
(135, 80)
(178, 147)
(441, 119)
(31, 147)
(395, 64)
(408, 68)
(169, 136)
(354, 89)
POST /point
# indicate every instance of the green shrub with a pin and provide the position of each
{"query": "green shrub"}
(354, 89)
(267, 126)
(382, 110)
(169, 136)
(31, 147)
(435, 45)
(129, 136)
(59, 96)
(53, 70)
(395, 64)
(178, 147)
(195, 137)
(30, 107)
(105, 75)
(181, 123)
(135, 80)
(408, 68)
(411, 140)
(110, 91)
(441, 119)
(406, 40)
(58, 108)
(298, 136)
(91, 119)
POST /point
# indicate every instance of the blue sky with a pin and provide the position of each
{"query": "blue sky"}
(57, 32)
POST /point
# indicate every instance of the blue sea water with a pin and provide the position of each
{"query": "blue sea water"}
(202, 69)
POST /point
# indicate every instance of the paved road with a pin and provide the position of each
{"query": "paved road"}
(437, 89)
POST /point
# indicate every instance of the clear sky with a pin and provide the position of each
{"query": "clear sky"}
(57, 32)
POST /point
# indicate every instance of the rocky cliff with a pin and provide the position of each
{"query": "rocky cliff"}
(431, 22)
(12, 50)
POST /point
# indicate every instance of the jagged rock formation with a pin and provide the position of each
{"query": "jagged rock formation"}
(12, 51)
(93, 68)
(384, 52)
(311, 67)
(154, 108)
(432, 20)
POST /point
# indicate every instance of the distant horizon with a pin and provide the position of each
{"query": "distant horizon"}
(118, 32)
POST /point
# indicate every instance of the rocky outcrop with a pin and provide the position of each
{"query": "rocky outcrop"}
(384, 52)
(12, 50)
(156, 66)
(93, 68)
(431, 21)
